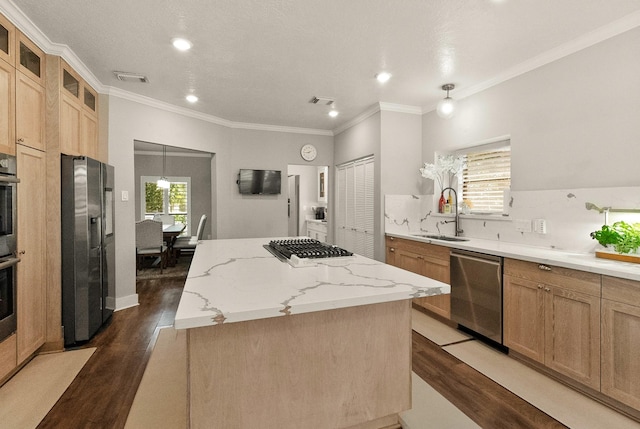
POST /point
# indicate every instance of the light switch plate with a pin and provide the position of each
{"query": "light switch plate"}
(125, 195)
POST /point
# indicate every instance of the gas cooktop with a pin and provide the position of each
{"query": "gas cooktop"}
(302, 251)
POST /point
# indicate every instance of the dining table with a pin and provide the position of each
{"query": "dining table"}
(170, 233)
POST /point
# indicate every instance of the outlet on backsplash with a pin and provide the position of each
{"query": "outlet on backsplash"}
(540, 226)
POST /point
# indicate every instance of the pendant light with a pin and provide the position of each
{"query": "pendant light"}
(163, 182)
(447, 106)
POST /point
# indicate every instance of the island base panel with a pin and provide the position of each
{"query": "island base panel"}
(328, 369)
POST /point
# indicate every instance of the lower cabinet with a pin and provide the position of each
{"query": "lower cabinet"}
(552, 316)
(317, 231)
(426, 259)
(8, 360)
(31, 279)
(621, 340)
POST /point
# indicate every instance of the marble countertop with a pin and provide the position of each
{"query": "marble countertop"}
(579, 261)
(238, 280)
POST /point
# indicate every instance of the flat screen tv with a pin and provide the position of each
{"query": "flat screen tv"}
(259, 182)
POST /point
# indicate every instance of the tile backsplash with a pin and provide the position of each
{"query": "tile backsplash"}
(568, 221)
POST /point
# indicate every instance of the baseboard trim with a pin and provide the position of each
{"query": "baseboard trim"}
(126, 302)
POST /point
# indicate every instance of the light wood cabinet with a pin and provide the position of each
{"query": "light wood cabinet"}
(7, 108)
(7, 41)
(8, 360)
(31, 285)
(78, 114)
(621, 340)
(552, 315)
(30, 94)
(425, 259)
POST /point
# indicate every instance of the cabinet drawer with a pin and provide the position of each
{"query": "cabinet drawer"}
(431, 252)
(578, 281)
(621, 290)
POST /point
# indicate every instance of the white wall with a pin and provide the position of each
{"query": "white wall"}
(574, 123)
(233, 215)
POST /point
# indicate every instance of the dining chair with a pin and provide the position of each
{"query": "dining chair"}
(189, 243)
(150, 243)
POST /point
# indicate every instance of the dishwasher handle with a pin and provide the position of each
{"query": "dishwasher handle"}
(486, 259)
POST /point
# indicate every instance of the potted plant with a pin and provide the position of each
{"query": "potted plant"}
(623, 237)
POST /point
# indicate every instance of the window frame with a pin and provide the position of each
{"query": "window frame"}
(498, 144)
(165, 202)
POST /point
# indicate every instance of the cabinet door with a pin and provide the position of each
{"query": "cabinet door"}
(620, 345)
(410, 261)
(70, 118)
(572, 332)
(30, 110)
(7, 109)
(524, 317)
(7, 42)
(89, 134)
(31, 279)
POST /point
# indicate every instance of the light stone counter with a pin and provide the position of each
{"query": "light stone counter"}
(238, 280)
(578, 261)
(340, 358)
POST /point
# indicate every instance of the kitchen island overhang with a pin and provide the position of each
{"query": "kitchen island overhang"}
(270, 345)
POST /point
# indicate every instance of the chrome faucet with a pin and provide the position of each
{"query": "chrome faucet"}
(456, 220)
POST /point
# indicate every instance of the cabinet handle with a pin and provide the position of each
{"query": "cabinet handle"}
(20, 140)
(547, 289)
(539, 286)
(391, 249)
(544, 267)
(420, 257)
(391, 238)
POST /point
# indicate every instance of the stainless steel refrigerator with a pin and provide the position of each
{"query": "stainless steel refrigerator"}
(88, 247)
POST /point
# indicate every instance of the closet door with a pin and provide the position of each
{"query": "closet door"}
(354, 206)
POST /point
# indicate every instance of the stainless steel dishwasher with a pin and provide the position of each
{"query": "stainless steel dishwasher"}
(476, 292)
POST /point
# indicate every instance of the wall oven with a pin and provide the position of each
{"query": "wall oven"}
(8, 258)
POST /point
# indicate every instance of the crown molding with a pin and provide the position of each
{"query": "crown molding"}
(361, 117)
(400, 108)
(598, 35)
(152, 102)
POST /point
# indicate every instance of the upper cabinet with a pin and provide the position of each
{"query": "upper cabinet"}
(7, 41)
(30, 93)
(78, 114)
(7, 108)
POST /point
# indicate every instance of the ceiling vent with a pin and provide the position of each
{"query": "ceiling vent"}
(325, 101)
(131, 77)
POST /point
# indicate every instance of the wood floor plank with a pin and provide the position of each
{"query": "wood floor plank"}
(484, 401)
(102, 394)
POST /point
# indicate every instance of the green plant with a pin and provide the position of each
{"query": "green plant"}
(624, 237)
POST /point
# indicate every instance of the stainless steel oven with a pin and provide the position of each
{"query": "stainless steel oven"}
(8, 259)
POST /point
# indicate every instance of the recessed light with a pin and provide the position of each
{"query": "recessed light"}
(383, 77)
(333, 113)
(182, 44)
(191, 98)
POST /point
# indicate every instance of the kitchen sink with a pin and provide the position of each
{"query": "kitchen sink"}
(441, 237)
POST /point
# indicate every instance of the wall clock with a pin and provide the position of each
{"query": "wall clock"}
(308, 152)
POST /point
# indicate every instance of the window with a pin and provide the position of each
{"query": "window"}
(487, 174)
(175, 201)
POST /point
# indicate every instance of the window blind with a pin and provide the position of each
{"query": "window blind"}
(486, 176)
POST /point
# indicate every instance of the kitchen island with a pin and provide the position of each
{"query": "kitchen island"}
(276, 346)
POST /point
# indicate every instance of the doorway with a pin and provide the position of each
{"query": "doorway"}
(312, 197)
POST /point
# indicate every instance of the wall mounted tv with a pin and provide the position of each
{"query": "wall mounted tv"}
(260, 182)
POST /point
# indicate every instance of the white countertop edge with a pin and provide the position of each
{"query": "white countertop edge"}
(578, 261)
(265, 313)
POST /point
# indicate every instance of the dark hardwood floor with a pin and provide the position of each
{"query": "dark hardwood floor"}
(102, 394)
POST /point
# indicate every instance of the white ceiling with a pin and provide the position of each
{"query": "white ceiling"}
(261, 61)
